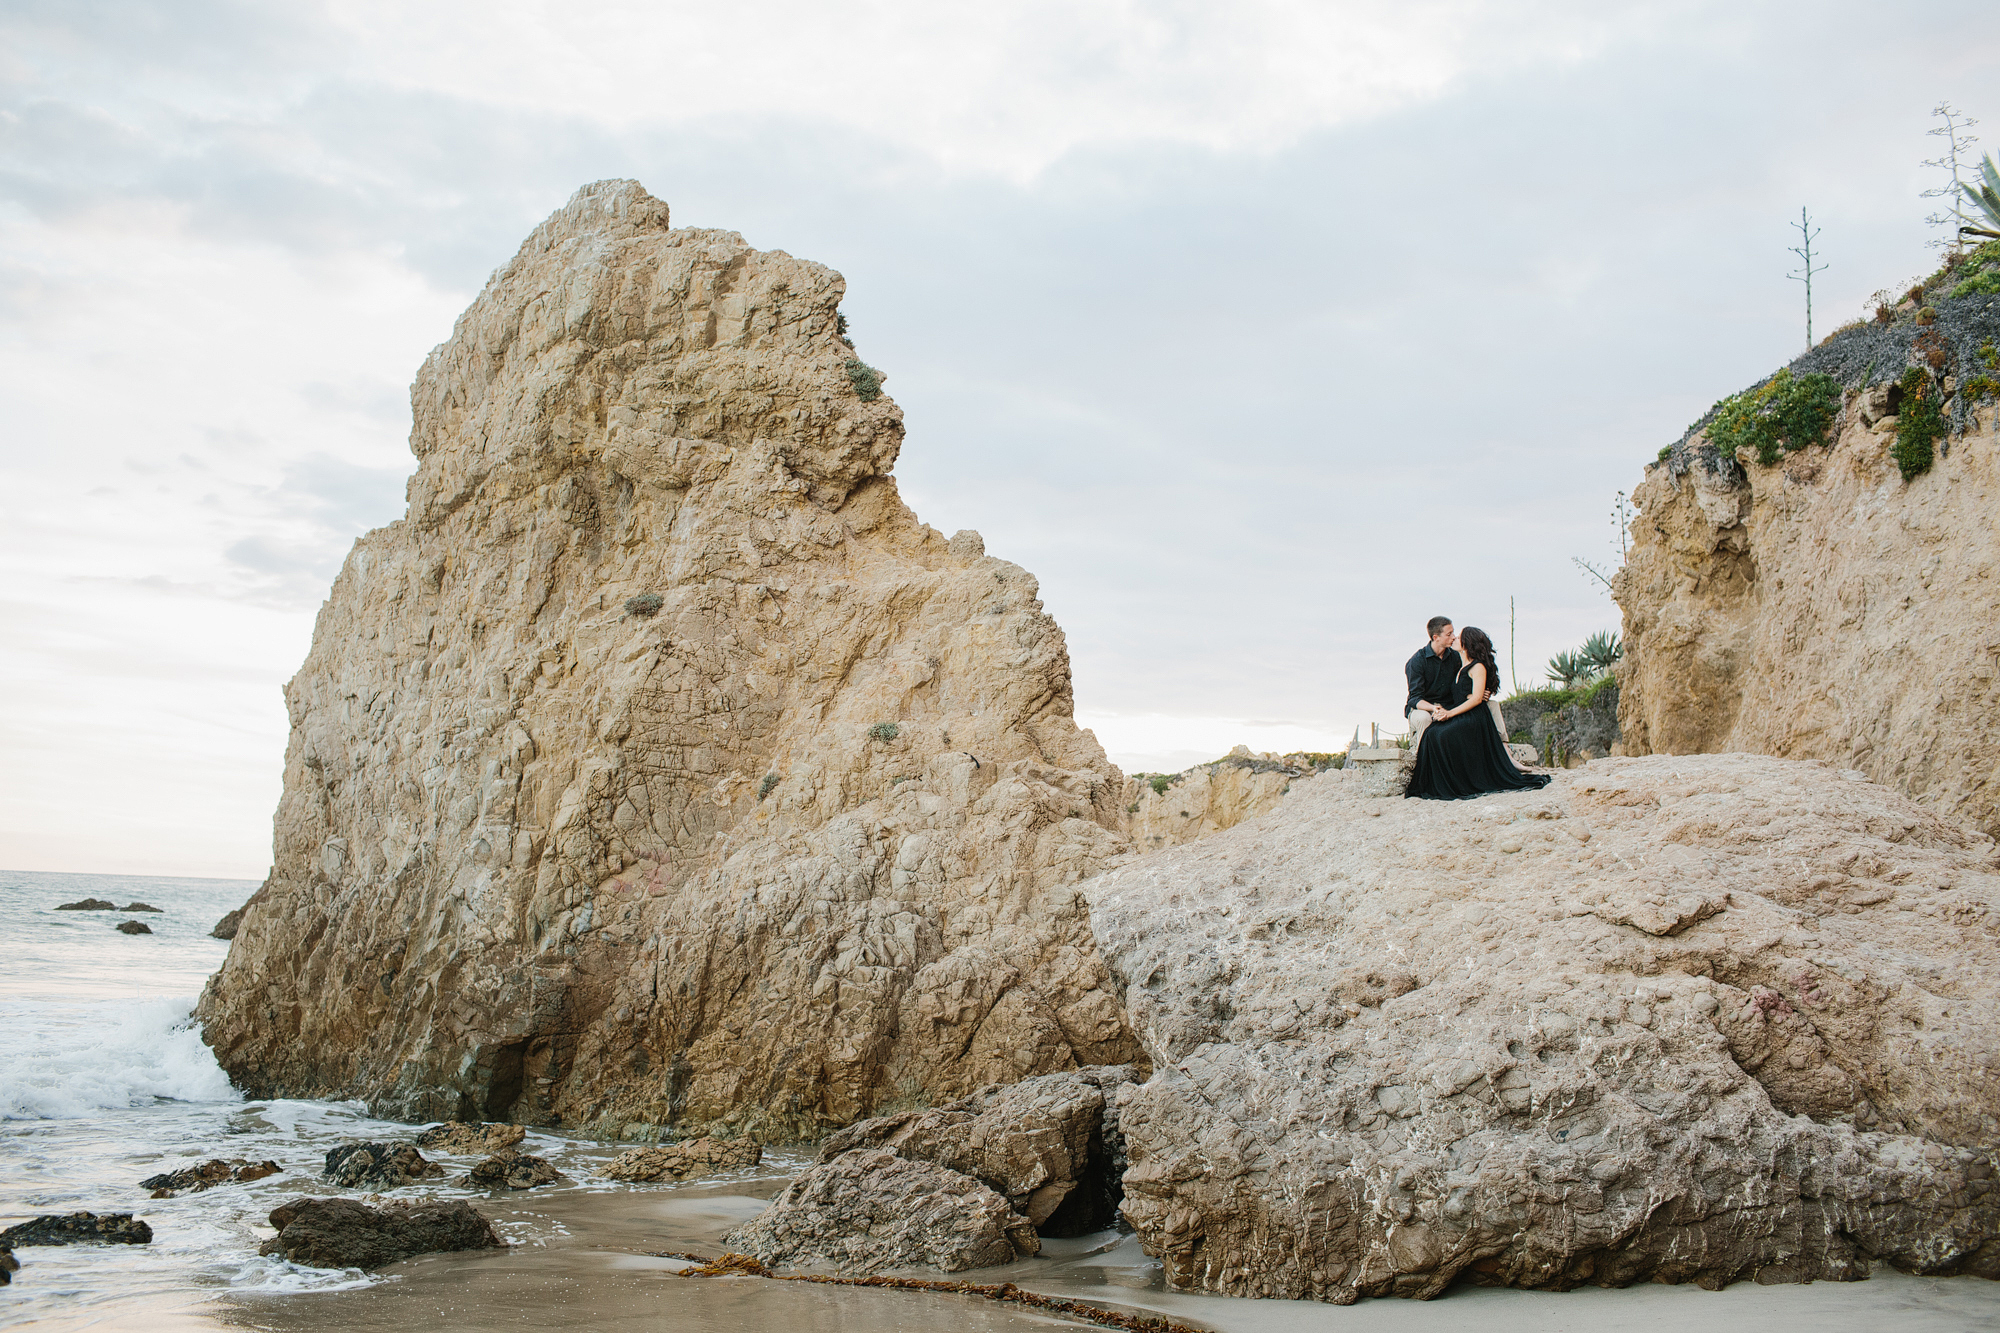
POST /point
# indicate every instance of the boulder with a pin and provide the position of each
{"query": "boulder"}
(341, 1233)
(676, 1161)
(134, 928)
(9, 1265)
(870, 1209)
(765, 802)
(512, 1170)
(209, 1174)
(1048, 1145)
(378, 1166)
(141, 907)
(225, 929)
(88, 905)
(1676, 1019)
(469, 1140)
(77, 1229)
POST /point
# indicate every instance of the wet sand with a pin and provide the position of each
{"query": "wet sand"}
(584, 1266)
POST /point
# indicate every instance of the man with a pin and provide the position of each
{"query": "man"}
(1430, 675)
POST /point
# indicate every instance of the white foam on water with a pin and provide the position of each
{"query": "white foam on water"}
(71, 1060)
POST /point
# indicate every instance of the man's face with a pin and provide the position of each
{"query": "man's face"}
(1441, 640)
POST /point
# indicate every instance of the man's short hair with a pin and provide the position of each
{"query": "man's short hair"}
(1439, 624)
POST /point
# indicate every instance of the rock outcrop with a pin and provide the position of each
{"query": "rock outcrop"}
(465, 1140)
(869, 1209)
(9, 1266)
(974, 1182)
(1822, 607)
(660, 768)
(88, 905)
(1686, 1019)
(512, 1169)
(378, 1166)
(1169, 809)
(77, 1229)
(206, 1176)
(133, 928)
(678, 1161)
(340, 1233)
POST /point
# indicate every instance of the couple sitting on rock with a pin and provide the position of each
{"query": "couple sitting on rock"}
(1455, 721)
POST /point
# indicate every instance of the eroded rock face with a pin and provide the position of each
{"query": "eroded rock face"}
(340, 1233)
(870, 1209)
(678, 1161)
(660, 768)
(1689, 1019)
(378, 1166)
(1776, 609)
(1167, 810)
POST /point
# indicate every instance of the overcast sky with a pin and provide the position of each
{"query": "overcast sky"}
(1259, 331)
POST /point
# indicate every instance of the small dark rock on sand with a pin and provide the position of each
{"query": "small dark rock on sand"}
(340, 1233)
(215, 1171)
(78, 1229)
(134, 928)
(88, 905)
(141, 907)
(466, 1139)
(513, 1170)
(378, 1165)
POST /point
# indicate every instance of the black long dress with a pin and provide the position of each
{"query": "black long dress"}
(1463, 757)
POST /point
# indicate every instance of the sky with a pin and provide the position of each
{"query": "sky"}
(1260, 332)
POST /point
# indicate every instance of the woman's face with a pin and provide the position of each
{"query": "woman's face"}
(1458, 641)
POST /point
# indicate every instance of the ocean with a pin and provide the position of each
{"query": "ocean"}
(105, 1081)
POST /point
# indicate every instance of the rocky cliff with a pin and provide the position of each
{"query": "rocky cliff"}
(660, 768)
(1690, 1020)
(1820, 606)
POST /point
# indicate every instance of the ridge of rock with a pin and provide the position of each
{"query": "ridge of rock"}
(660, 768)
(1688, 1019)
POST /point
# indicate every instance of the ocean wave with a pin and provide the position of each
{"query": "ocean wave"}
(74, 1059)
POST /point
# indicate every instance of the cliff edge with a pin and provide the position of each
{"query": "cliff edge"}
(660, 768)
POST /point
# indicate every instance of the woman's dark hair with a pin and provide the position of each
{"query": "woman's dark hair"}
(1479, 648)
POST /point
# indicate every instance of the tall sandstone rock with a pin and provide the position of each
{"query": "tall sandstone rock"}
(1824, 608)
(660, 767)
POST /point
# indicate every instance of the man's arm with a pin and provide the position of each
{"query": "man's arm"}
(1413, 676)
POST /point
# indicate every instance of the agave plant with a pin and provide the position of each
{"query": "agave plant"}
(1602, 650)
(1986, 196)
(1569, 671)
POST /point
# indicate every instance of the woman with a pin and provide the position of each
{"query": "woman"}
(1461, 755)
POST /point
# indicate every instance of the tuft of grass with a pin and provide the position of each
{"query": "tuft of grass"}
(867, 380)
(1159, 784)
(1981, 270)
(764, 787)
(884, 732)
(645, 604)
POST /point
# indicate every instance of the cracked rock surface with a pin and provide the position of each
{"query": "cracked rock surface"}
(677, 1161)
(1685, 1019)
(660, 769)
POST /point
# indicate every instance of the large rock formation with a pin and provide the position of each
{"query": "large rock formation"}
(1821, 607)
(660, 767)
(1686, 1019)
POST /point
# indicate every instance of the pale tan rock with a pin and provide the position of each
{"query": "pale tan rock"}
(660, 768)
(1687, 1019)
(870, 1209)
(1166, 810)
(1823, 608)
(677, 1161)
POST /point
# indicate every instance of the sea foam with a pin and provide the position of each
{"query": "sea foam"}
(73, 1059)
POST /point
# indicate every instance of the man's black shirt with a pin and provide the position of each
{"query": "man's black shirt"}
(1430, 677)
